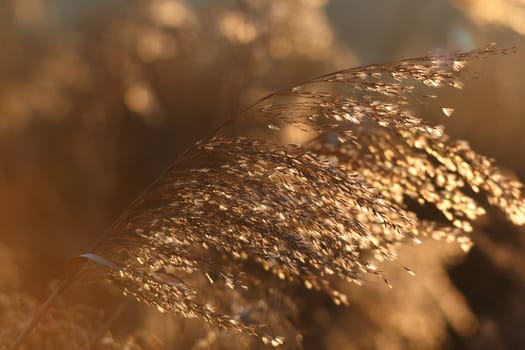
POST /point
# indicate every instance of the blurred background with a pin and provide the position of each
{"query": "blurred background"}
(98, 97)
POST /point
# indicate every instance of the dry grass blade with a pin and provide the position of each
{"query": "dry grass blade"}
(236, 221)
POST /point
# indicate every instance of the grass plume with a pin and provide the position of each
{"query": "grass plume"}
(225, 230)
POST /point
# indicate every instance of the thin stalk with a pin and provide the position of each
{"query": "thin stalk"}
(64, 283)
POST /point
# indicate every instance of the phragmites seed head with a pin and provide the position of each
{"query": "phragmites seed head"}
(236, 221)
